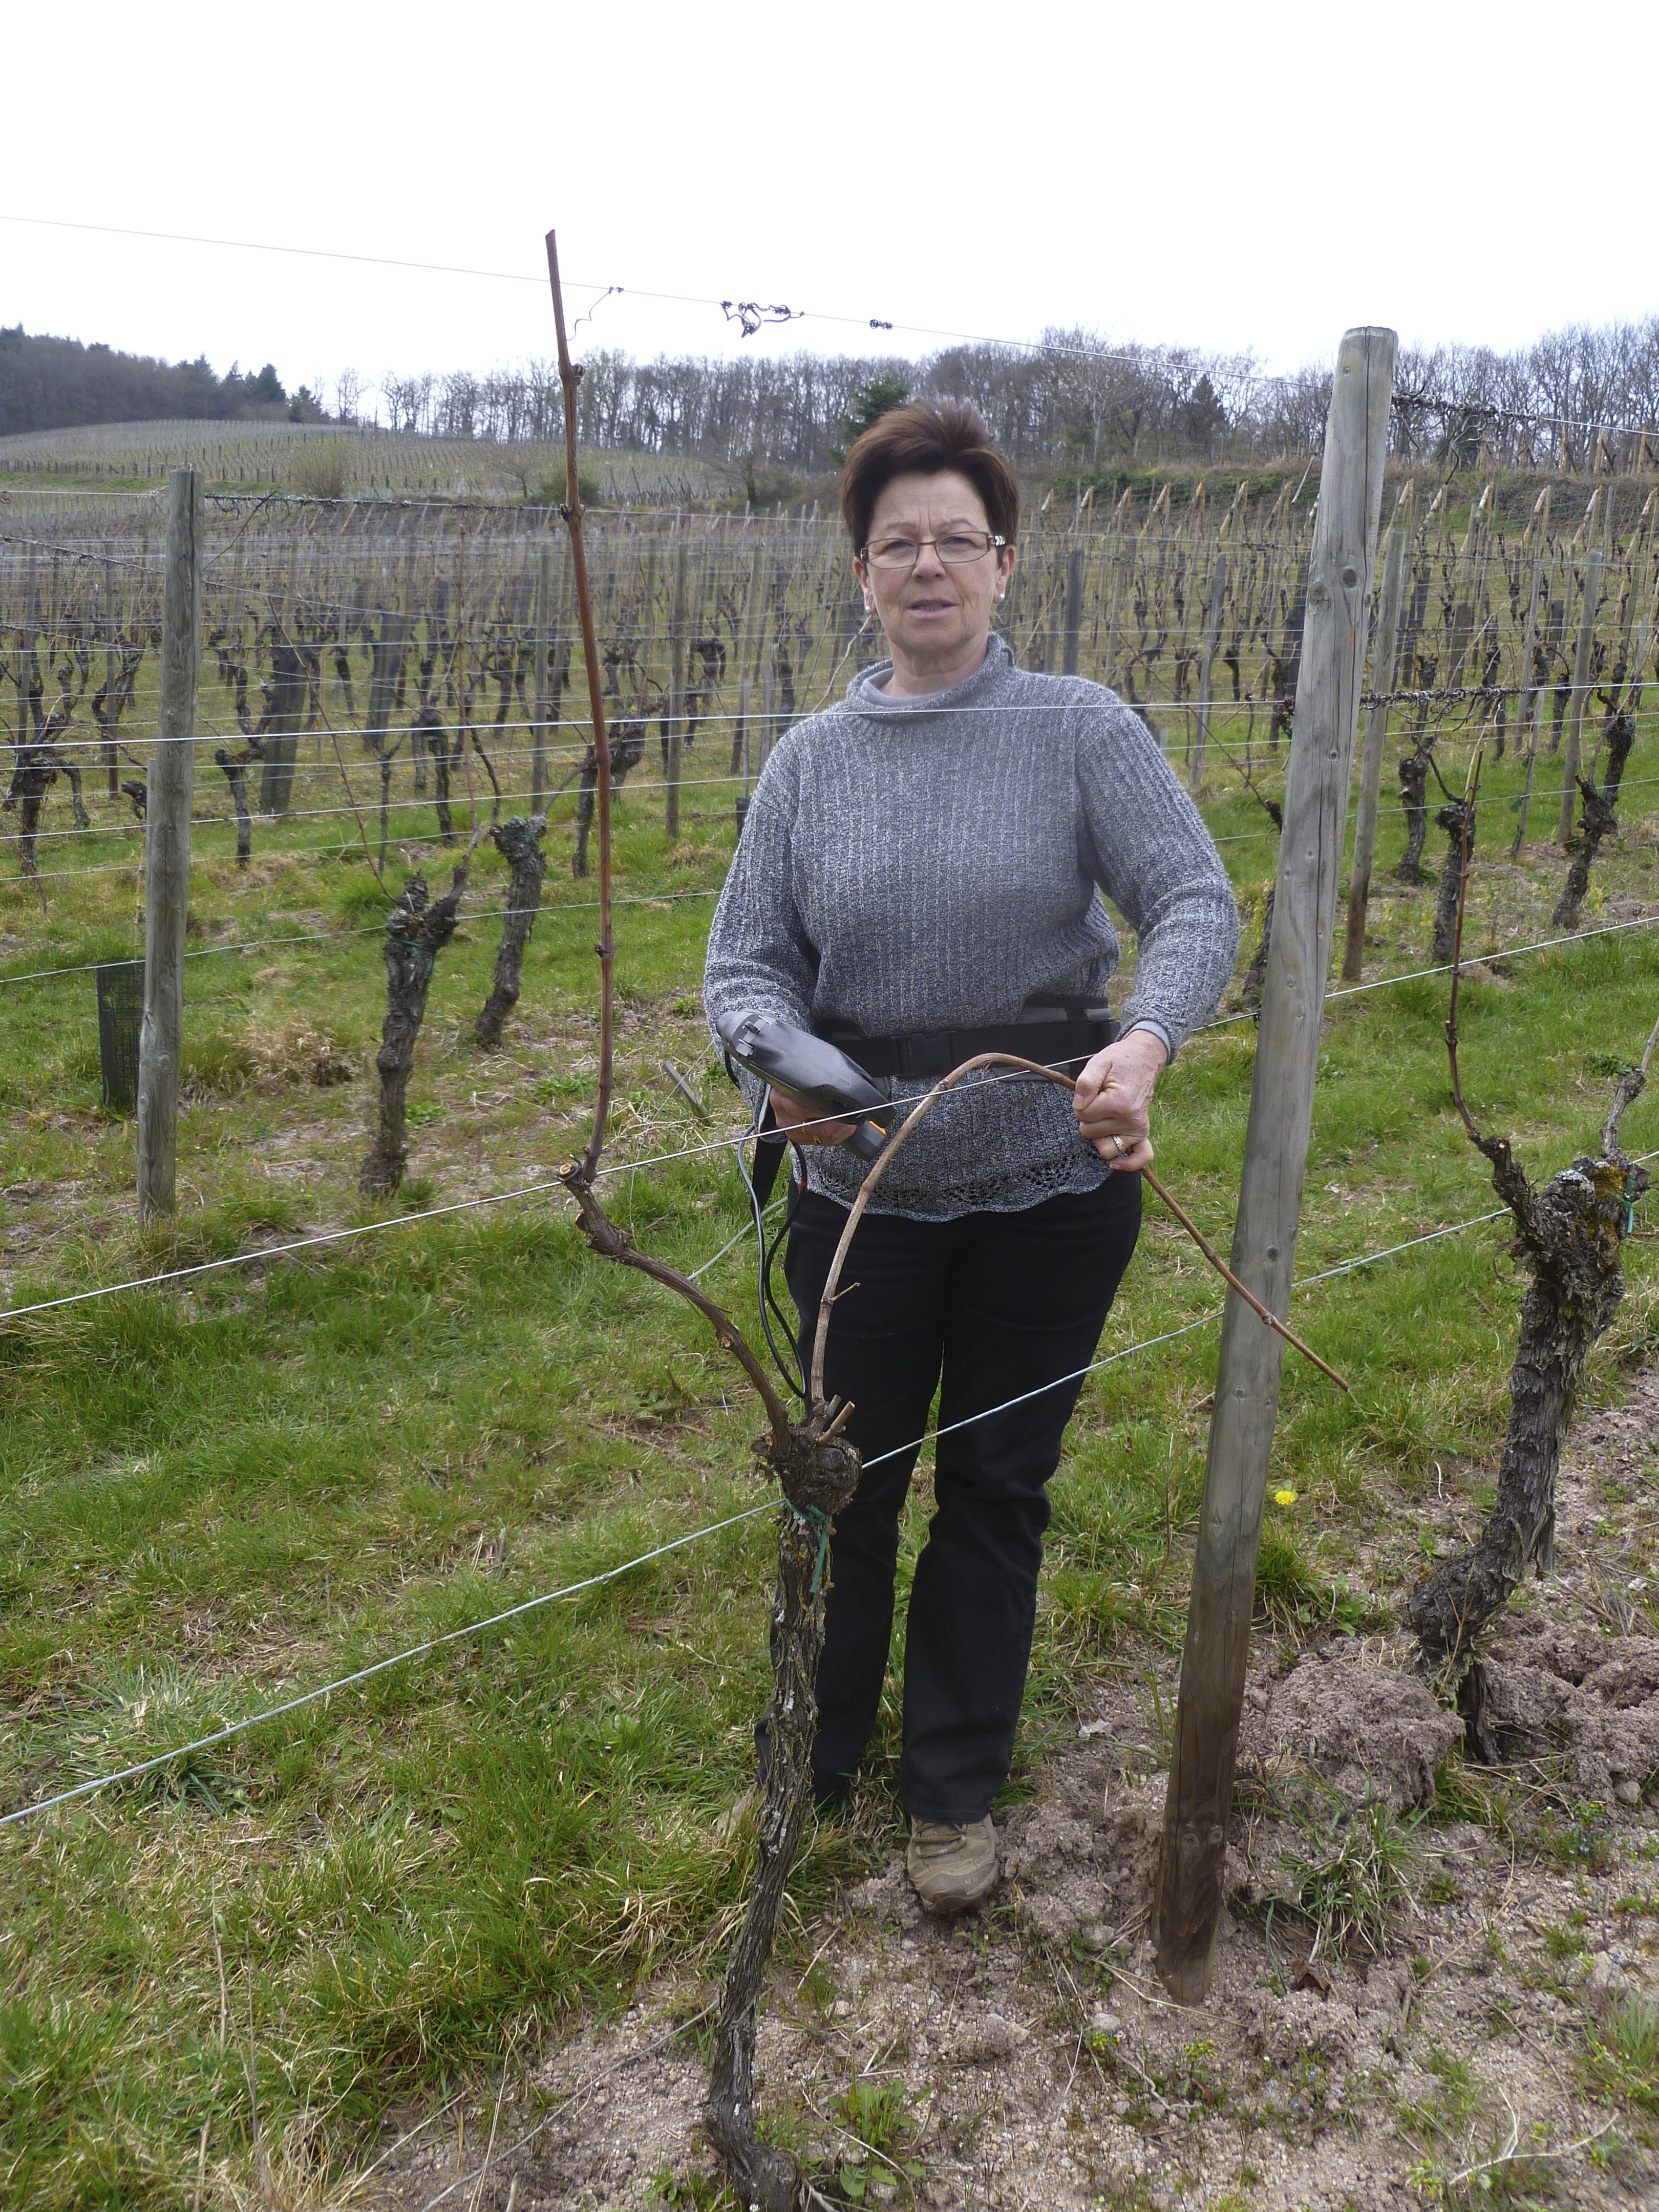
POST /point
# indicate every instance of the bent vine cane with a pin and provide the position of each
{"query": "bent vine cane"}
(878, 1168)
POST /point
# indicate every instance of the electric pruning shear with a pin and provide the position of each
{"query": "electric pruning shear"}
(818, 1074)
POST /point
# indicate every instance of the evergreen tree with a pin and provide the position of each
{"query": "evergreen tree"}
(877, 397)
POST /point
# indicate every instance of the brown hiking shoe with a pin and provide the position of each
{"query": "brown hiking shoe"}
(952, 1865)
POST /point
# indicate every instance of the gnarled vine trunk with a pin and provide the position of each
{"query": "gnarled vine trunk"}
(1413, 789)
(1571, 1233)
(1596, 822)
(415, 932)
(520, 843)
(818, 1483)
(627, 748)
(35, 769)
(1570, 1237)
(1457, 819)
(236, 776)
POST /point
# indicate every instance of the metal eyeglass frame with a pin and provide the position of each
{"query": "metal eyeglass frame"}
(995, 545)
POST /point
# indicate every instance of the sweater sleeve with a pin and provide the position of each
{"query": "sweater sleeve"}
(760, 959)
(1153, 857)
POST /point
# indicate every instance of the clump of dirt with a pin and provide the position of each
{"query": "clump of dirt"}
(1554, 1689)
(1346, 1712)
(1479, 2036)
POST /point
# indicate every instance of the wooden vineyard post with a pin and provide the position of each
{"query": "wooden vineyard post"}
(1623, 669)
(1581, 684)
(543, 654)
(166, 851)
(288, 704)
(754, 614)
(1207, 670)
(342, 640)
(1563, 616)
(742, 747)
(1528, 694)
(740, 633)
(111, 669)
(1377, 725)
(1194, 1843)
(28, 624)
(677, 642)
(1074, 563)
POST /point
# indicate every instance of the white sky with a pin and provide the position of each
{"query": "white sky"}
(1195, 172)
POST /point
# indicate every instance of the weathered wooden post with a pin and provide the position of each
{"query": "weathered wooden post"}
(1528, 700)
(112, 669)
(1383, 662)
(1581, 688)
(288, 705)
(677, 642)
(28, 624)
(1074, 563)
(166, 851)
(742, 747)
(1275, 1158)
(769, 718)
(754, 612)
(1205, 670)
(543, 686)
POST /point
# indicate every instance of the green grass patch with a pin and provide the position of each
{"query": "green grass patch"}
(215, 1497)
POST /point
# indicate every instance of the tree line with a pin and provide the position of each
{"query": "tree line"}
(1585, 398)
(1578, 398)
(58, 383)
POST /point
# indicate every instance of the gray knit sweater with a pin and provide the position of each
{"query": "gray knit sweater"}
(919, 864)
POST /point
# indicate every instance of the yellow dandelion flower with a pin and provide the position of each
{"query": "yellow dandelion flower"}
(1284, 1498)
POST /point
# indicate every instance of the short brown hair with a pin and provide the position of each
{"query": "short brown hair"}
(925, 440)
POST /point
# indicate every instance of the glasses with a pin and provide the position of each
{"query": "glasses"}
(956, 550)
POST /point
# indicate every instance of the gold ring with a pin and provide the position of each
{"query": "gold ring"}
(1119, 1142)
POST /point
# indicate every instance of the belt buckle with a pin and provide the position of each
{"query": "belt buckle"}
(933, 1053)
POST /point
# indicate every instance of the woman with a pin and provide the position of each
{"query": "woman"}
(918, 879)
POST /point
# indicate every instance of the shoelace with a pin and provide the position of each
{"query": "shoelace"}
(934, 1838)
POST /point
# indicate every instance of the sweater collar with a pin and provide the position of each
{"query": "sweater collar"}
(979, 689)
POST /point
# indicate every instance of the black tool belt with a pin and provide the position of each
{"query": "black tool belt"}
(1058, 1033)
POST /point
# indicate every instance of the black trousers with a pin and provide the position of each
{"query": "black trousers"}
(986, 1308)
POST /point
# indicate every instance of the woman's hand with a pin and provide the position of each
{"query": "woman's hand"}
(805, 1124)
(1113, 1096)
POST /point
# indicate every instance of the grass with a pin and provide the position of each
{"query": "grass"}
(1622, 2052)
(213, 1498)
(1351, 1877)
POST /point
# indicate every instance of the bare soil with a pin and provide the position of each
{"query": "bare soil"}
(1036, 2061)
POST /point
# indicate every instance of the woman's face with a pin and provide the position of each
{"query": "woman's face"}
(936, 614)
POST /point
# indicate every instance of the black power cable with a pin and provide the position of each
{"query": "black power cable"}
(791, 1371)
(769, 1253)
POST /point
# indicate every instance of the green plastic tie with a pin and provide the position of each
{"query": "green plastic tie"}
(810, 1517)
